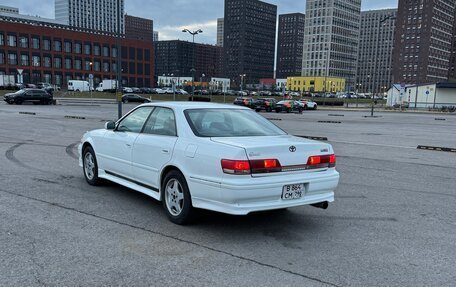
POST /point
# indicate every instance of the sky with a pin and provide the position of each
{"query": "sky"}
(171, 16)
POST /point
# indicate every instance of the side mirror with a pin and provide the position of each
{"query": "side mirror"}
(110, 125)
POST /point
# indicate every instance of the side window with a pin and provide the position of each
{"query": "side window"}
(134, 122)
(161, 122)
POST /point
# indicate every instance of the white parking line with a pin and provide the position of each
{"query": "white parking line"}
(373, 144)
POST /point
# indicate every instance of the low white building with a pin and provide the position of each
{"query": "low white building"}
(422, 96)
(222, 84)
(281, 83)
(168, 81)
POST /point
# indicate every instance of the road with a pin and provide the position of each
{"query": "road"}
(393, 222)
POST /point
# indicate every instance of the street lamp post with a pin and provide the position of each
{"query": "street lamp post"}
(193, 33)
(118, 63)
(242, 81)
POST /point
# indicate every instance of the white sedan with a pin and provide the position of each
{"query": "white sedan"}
(218, 157)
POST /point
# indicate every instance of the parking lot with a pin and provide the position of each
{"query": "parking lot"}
(393, 222)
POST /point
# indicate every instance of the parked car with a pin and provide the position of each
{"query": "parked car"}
(35, 96)
(169, 91)
(127, 90)
(146, 90)
(245, 102)
(220, 161)
(289, 106)
(241, 93)
(309, 105)
(157, 91)
(136, 90)
(267, 104)
(181, 92)
(45, 86)
(134, 98)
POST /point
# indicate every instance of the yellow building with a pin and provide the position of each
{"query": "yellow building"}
(316, 84)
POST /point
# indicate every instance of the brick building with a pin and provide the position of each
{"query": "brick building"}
(48, 52)
(176, 57)
(290, 45)
(138, 28)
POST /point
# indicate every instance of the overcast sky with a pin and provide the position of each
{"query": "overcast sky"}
(170, 16)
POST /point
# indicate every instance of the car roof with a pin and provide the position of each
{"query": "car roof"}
(195, 105)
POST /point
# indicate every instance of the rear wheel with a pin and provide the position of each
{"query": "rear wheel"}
(18, 101)
(176, 198)
(90, 166)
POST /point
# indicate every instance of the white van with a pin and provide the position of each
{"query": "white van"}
(78, 86)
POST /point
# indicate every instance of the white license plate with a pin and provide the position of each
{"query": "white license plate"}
(293, 191)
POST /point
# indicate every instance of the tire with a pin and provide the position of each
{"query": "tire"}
(288, 111)
(268, 110)
(315, 107)
(257, 110)
(176, 198)
(300, 110)
(305, 107)
(18, 101)
(277, 111)
(90, 166)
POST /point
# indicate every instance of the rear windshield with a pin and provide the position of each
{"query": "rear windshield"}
(229, 123)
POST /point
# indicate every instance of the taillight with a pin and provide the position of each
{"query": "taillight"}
(236, 166)
(321, 161)
(265, 165)
(251, 167)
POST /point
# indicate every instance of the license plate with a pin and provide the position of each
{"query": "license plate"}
(293, 191)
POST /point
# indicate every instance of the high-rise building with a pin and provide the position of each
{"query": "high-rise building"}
(331, 39)
(139, 28)
(156, 37)
(375, 51)
(249, 40)
(452, 69)
(178, 57)
(220, 25)
(8, 9)
(423, 39)
(100, 15)
(290, 45)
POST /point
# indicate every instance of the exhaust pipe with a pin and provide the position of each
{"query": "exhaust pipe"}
(322, 205)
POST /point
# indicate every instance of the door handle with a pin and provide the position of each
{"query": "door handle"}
(128, 145)
(165, 151)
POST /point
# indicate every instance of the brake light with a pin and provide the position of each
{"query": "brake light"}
(250, 167)
(236, 166)
(321, 161)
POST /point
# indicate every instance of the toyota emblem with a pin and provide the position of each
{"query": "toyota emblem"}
(292, 148)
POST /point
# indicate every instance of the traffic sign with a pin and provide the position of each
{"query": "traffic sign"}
(427, 92)
(91, 76)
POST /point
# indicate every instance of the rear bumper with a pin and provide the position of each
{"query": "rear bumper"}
(246, 195)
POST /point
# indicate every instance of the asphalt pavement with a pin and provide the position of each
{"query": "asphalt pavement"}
(393, 222)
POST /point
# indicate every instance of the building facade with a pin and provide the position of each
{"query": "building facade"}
(330, 85)
(8, 9)
(375, 51)
(156, 36)
(100, 15)
(331, 39)
(249, 40)
(137, 28)
(423, 39)
(176, 58)
(56, 54)
(220, 28)
(290, 45)
(452, 69)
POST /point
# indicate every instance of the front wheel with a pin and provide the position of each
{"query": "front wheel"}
(18, 101)
(176, 198)
(90, 166)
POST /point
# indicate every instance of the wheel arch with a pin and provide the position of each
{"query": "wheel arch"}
(163, 174)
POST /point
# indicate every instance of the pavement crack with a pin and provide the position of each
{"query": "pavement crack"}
(70, 150)
(174, 238)
(37, 267)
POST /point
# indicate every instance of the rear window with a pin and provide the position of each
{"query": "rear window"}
(229, 123)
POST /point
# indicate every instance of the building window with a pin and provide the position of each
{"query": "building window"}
(35, 43)
(77, 48)
(12, 58)
(105, 51)
(58, 62)
(57, 46)
(2, 58)
(68, 65)
(58, 80)
(12, 41)
(23, 42)
(47, 78)
(78, 64)
(87, 49)
(47, 62)
(114, 52)
(67, 47)
(87, 65)
(36, 61)
(47, 44)
(105, 67)
(2, 39)
(96, 50)
(114, 67)
(24, 60)
(96, 66)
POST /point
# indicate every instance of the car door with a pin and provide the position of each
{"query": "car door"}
(115, 149)
(154, 147)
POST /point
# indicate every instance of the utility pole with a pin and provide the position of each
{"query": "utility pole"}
(119, 64)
